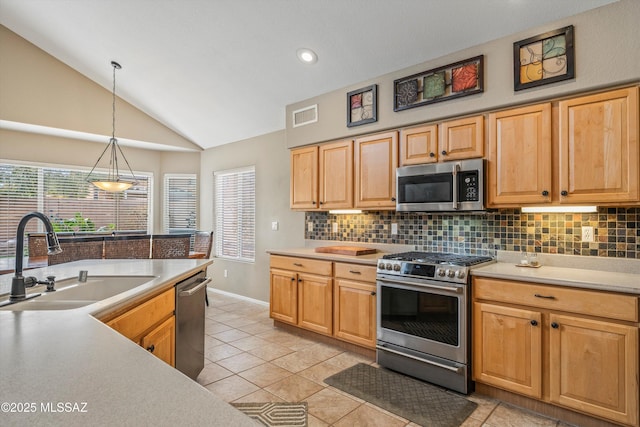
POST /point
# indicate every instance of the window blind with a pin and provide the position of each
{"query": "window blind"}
(235, 201)
(180, 201)
(72, 204)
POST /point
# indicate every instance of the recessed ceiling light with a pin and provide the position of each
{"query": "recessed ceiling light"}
(307, 56)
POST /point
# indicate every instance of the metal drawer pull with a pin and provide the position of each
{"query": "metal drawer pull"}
(544, 296)
(297, 264)
(354, 272)
(439, 365)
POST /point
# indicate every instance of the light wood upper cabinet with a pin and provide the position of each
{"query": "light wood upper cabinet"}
(336, 175)
(304, 178)
(462, 138)
(419, 145)
(598, 148)
(519, 169)
(376, 160)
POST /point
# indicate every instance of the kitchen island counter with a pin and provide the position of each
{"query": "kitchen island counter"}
(65, 367)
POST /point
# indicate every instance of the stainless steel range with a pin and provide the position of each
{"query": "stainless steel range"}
(423, 316)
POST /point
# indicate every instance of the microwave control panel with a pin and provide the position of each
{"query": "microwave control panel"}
(468, 190)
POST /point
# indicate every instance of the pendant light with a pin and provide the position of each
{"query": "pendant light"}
(114, 182)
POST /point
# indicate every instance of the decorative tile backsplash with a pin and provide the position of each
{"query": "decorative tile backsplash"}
(616, 231)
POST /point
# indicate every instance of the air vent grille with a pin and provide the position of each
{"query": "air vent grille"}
(305, 116)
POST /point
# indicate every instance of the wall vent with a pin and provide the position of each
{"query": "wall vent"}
(305, 116)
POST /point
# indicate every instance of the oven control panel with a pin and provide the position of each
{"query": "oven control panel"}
(440, 272)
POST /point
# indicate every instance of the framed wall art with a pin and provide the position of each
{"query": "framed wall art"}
(362, 106)
(440, 84)
(543, 59)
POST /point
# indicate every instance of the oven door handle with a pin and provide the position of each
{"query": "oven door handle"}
(455, 369)
(452, 289)
(456, 168)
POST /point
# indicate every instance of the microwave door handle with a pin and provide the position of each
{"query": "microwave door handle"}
(456, 168)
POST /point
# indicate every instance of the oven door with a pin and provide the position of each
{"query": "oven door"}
(422, 315)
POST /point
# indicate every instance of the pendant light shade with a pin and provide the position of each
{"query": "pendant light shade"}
(114, 182)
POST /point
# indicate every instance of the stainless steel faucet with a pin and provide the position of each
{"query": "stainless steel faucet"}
(18, 291)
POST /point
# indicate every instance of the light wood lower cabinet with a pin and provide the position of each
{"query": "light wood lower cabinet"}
(336, 299)
(302, 293)
(355, 304)
(151, 325)
(584, 357)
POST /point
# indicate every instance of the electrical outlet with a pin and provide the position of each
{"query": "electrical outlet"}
(587, 234)
(334, 227)
(394, 228)
(274, 225)
(226, 274)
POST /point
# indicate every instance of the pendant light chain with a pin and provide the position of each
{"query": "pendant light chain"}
(113, 105)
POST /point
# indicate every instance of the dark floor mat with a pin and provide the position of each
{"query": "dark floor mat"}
(415, 400)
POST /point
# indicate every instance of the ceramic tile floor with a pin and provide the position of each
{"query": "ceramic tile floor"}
(248, 360)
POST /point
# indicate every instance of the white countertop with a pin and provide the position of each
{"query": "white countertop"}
(615, 275)
(68, 368)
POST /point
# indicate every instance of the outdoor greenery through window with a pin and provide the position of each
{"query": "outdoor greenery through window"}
(180, 200)
(72, 204)
(235, 200)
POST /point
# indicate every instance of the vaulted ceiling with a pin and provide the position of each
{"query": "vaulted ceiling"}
(219, 71)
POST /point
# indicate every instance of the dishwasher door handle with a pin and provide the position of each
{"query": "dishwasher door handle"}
(193, 290)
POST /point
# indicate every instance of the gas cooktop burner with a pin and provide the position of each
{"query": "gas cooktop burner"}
(439, 258)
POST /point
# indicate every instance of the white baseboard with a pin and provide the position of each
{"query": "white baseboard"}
(242, 297)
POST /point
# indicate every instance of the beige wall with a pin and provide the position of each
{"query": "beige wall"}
(270, 157)
(37, 89)
(607, 53)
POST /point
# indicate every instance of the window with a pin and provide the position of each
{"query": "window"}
(235, 199)
(180, 192)
(72, 204)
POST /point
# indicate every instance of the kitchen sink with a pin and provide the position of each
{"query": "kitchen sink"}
(71, 293)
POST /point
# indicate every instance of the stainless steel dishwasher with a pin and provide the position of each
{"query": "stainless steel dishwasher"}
(190, 295)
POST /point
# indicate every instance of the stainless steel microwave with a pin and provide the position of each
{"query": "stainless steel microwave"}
(441, 187)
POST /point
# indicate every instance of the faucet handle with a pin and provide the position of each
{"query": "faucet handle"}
(30, 281)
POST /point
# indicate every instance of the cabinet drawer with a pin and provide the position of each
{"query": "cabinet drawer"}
(587, 302)
(303, 265)
(363, 273)
(136, 321)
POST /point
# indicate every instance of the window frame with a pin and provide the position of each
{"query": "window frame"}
(165, 200)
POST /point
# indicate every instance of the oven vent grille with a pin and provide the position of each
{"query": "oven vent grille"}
(305, 116)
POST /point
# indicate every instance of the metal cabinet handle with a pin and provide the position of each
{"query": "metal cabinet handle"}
(354, 272)
(444, 152)
(534, 323)
(297, 264)
(544, 296)
(151, 348)
(373, 293)
(554, 325)
(564, 193)
(545, 193)
(393, 199)
(432, 154)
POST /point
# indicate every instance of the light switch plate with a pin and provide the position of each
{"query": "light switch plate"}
(394, 228)
(309, 226)
(334, 227)
(274, 225)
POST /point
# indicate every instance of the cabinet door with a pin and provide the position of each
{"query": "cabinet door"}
(336, 175)
(355, 312)
(304, 178)
(462, 138)
(594, 367)
(315, 298)
(599, 148)
(376, 159)
(284, 296)
(162, 341)
(507, 348)
(419, 145)
(520, 156)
